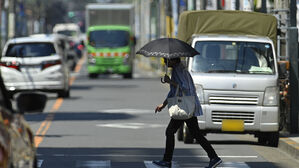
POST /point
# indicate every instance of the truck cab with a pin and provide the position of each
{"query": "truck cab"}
(237, 83)
(110, 39)
(110, 50)
(236, 73)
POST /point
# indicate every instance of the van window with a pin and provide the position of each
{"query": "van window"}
(70, 33)
(236, 57)
(109, 38)
(30, 50)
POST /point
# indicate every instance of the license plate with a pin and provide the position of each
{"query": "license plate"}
(31, 69)
(232, 125)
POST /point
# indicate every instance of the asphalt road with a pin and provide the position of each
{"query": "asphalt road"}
(110, 122)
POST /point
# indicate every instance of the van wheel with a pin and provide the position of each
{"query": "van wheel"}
(128, 75)
(269, 139)
(64, 93)
(273, 139)
(187, 137)
(180, 134)
(262, 139)
(92, 75)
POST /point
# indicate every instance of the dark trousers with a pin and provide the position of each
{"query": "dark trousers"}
(192, 124)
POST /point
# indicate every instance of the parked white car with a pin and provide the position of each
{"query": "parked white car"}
(36, 63)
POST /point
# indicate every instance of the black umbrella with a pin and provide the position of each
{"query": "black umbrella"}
(167, 48)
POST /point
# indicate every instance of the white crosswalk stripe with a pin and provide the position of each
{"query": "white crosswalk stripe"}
(128, 111)
(234, 165)
(149, 164)
(94, 164)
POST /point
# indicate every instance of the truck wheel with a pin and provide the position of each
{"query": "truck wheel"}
(92, 75)
(64, 93)
(273, 139)
(180, 134)
(262, 139)
(187, 137)
(128, 75)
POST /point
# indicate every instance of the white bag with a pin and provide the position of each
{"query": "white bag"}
(181, 107)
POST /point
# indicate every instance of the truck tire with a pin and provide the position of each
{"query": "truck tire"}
(262, 139)
(273, 139)
(64, 93)
(92, 75)
(187, 137)
(269, 138)
(180, 134)
(128, 75)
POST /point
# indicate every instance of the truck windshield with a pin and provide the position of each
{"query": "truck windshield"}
(70, 33)
(30, 50)
(233, 57)
(109, 38)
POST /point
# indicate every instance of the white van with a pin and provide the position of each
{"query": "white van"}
(236, 74)
(36, 63)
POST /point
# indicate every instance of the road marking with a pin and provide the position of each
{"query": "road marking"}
(39, 163)
(234, 165)
(94, 164)
(148, 156)
(80, 63)
(45, 125)
(149, 164)
(41, 132)
(131, 125)
(129, 111)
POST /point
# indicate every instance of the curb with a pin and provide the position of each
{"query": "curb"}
(289, 146)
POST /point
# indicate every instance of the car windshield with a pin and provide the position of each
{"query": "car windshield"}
(109, 38)
(30, 50)
(233, 57)
(70, 33)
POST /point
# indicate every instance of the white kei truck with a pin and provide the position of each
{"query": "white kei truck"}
(236, 74)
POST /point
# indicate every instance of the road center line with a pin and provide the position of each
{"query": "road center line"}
(45, 125)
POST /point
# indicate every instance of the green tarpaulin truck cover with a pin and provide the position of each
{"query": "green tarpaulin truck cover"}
(226, 22)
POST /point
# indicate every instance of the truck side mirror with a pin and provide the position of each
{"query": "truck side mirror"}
(134, 40)
(30, 102)
(283, 68)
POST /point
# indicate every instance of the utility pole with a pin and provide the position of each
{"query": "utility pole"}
(237, 5)
(264, 6)
(293, 55)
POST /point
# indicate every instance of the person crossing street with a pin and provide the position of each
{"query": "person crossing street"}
(181, 78)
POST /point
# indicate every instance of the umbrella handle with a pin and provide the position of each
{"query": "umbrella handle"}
(166, 69)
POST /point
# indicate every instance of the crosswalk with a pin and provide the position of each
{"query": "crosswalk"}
(93, 164)
(147, 164)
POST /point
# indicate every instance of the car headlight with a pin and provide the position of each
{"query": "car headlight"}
(200, 93)
(271, 96)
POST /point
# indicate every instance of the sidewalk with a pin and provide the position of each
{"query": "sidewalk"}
(290, 145)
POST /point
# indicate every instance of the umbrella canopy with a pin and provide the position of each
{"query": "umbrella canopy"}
(167, 48)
